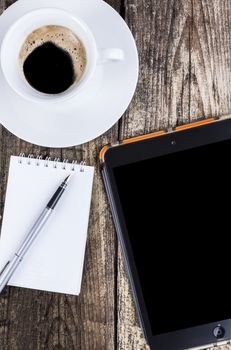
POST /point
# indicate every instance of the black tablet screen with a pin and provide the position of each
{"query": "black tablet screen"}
(178, 216)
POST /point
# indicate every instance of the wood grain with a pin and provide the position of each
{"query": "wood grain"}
(210, 58)
(161, 30)
(95, 308)
(185, 52)
(35, 320)
(185, 59)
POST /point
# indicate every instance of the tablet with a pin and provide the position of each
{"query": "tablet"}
(170, 196)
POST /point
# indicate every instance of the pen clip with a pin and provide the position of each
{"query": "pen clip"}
(1, 272)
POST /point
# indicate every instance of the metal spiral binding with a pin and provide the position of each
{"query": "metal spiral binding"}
(21, 156)
(38, 159)
(73, 164)
(82, 164)
(48, 161)
(65, 161)
(55, 162)
(30, 156)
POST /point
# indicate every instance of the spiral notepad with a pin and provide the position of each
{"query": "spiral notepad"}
(55, 260)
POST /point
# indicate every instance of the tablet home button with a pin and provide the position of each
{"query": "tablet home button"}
(219, 332)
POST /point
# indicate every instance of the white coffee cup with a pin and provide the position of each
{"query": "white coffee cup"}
(16, 36)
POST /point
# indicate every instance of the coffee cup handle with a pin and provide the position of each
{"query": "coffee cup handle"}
(110, 55)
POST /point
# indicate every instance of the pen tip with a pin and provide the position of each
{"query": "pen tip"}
(67, 179)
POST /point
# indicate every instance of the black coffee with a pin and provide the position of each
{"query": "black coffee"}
(52, 59)
(49, 69)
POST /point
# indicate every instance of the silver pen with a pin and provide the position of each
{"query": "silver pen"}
(12, 264)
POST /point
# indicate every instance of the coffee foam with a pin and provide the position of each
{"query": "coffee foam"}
(61, 37)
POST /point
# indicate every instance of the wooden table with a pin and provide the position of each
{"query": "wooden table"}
(185, 74)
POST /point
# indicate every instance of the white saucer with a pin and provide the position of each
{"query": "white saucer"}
(97, 107)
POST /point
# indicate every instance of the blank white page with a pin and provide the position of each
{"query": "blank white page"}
(54, 262)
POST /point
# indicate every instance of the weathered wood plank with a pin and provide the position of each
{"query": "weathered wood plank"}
(39, 320)
(95, 308)
(22, 320)
(185, 72)
(185, 53)
(210, 62)
(210, 58)
(161, 30)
